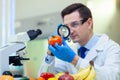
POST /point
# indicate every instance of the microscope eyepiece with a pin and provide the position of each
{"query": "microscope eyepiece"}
(39, 31)
(33, 34)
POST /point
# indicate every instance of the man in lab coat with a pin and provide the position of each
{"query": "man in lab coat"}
(104, 52)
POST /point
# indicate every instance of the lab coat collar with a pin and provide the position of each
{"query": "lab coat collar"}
(102, 40)
(92, 54)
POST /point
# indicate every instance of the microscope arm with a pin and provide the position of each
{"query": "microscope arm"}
(5, 52)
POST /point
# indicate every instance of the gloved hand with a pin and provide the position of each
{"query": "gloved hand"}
(63, 52)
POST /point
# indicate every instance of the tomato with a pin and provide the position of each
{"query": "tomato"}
(46, 75)
(54, 39)
(50, 75)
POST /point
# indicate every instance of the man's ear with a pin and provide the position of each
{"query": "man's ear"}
(90, 23)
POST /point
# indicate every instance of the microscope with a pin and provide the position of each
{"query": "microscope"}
(16, 45)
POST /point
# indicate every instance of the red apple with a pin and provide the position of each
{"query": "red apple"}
(66, 76)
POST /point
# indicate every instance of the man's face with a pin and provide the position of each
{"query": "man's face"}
(79, 32)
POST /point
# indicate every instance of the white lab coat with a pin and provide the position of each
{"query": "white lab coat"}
(106, 57)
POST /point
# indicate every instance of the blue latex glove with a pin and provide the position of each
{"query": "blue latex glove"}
(63, 52)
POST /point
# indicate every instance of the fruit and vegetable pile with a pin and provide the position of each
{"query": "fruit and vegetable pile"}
(83, 74)
(59, 76)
